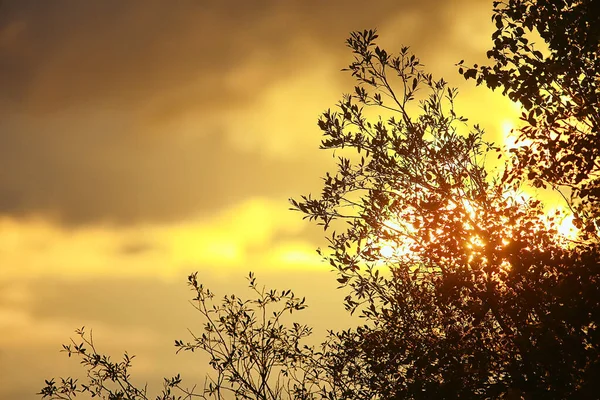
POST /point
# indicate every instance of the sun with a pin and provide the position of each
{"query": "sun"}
(387, 251)
(399, 239)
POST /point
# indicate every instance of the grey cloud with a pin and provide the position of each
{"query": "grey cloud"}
(103, 174)
(64, 53)
(88, 86)
(146, 303)
(138, 305)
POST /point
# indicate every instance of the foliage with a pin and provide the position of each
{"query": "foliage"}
(253, 353)
(106, 378)
(558, 84)
(467, 289)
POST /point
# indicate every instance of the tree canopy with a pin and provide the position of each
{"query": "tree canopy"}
(482, 299)
(558, 84)
(466, 288)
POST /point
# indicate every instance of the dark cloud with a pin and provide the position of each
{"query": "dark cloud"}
(64, 53)
(103, 174)
(68, 53)
(88, 88)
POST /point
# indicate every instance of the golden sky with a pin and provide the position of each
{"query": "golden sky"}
(143, 140)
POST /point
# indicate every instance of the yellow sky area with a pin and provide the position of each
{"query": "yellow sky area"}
(100, 277)
(241, 238)
(552, 200)
(156, 118)
(19, 327)
(257, 234)
(282, 119)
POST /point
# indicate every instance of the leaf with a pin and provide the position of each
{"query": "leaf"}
(470, 73)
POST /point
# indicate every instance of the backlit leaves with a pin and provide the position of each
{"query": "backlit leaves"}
(459, 279)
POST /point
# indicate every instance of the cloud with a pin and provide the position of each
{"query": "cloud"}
(126, 113)
(66, 53)
(100, 172)
(128, 284)
(240, 237)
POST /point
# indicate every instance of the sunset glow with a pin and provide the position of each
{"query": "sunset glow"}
(142, 141)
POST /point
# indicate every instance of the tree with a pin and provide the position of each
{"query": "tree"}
(467, 289)
(254, 354)
(558, 86)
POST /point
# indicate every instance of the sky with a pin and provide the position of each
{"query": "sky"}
(141, 141)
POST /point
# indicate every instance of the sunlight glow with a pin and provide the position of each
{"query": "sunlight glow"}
(387, 251)
(399, 247)
(565, 225)
(469, 207)
(399, 241)
(567, 228)
(510, 135)
(294, 255)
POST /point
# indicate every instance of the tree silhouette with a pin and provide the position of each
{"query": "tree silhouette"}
(466, 288)
(253, 352)
(558, 84)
